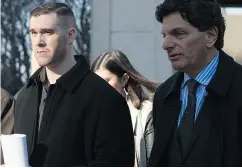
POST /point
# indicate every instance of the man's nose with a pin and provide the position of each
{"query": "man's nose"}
(167, 43)
(41, 40)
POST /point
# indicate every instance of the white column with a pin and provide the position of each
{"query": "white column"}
(130, 26)
(100, 28)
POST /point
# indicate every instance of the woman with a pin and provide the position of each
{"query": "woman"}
(115, 68)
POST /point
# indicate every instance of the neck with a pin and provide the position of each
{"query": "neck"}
(54, 72)
(195, 71)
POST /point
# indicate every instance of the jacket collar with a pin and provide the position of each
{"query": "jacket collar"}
(218, 84)
(173, 84)
(70, 79)
(222, 79)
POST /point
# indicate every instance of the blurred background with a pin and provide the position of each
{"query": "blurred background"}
(103, 25)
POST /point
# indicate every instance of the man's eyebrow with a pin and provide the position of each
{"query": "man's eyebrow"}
(177, 29)
(43, 30)
(47, 30)
(31, 30)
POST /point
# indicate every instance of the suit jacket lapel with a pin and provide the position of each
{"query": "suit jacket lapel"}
(165, 126)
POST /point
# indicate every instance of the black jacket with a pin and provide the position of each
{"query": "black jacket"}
(217, 134)
(85, 122)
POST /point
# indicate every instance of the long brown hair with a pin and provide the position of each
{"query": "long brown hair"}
(117, 63)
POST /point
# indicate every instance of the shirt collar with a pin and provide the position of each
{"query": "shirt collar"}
(68, 80)
(43, 76)
(205, 76)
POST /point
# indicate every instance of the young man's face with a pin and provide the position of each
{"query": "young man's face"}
(185, 45)
(49, 39)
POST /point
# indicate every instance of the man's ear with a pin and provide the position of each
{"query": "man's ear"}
(212, 36)
(71, 35)
(124, 79)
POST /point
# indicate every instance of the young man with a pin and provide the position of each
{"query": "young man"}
(197, 112)
(70, 115)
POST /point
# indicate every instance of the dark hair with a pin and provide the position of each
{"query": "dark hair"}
(202, 14)
(60, 9)
(117, 63)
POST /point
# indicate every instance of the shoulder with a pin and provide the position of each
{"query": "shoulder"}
(5, 96)
(238, 70)
(104, 100)
(17, 94)
(165, 87)
(238, 75)
(20, 97)
(100, 89)
(235, 71)
(7, 100)
(237, 83)
(229, 66)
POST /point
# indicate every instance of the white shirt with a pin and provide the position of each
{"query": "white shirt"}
(139, 118)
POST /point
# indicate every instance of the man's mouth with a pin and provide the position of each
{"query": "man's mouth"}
(42, 51)
(174, 57)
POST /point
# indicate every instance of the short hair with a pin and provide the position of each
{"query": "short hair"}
(61, 9)
(202, 14)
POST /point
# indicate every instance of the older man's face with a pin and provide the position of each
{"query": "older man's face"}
(184, 43)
